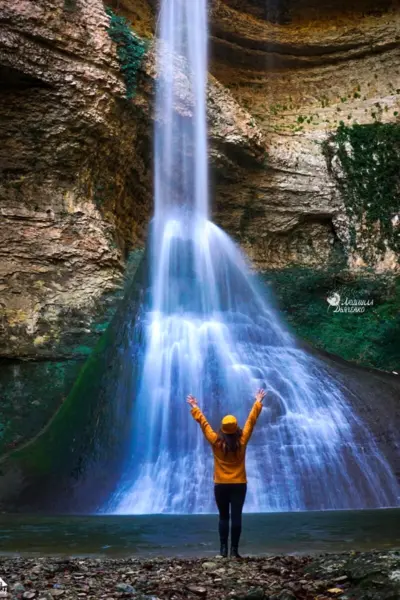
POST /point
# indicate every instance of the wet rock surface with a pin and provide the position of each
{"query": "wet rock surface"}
(347, 576)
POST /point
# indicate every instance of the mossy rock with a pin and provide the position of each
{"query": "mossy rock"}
(371, 339)
(76, 460)
(369, 156)
(130, 50)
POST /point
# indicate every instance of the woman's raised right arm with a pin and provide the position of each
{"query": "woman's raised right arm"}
(198, 416)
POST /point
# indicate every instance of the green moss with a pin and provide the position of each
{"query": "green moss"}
(369, 156)
(130, 50)
(75, 410)
(87, 435)
(371, 338)
(70, 5)
(31, 392)
(324, 101)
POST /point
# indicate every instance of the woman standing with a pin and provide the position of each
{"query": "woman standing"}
(230, 481)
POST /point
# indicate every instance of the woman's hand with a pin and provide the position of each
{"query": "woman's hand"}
(192, 401)
(261, 395)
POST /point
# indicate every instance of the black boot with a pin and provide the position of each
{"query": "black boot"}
(224, 550)
(235, 552)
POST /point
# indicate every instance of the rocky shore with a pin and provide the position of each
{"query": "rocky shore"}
(346, 576)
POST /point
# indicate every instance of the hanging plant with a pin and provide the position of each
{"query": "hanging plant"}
(369, 156)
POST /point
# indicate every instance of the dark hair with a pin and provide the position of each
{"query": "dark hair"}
(229, 442)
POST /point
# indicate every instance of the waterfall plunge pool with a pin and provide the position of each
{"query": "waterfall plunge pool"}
(196, 535)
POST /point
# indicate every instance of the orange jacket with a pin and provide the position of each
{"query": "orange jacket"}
(229, 467)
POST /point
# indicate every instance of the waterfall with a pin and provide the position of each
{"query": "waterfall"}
(211, 330)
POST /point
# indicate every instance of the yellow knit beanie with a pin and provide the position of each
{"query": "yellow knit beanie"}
(229, 424)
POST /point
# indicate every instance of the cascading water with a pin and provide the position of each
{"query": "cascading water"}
(210, 331)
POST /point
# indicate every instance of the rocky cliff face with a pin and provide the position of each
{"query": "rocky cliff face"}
(76, 156)
(76, 192)
(301, 68)
(76, 187)
(71, 172)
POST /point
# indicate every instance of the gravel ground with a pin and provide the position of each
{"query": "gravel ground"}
(346, 576)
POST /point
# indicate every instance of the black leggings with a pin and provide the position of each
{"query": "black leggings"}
(232, 494)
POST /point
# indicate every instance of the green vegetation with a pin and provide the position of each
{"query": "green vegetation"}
(369, 156)
(277, 108)
(31, 392)
(103, 192)
(68, 445)
(130, 49)
(70, 5)
(324, 101)
(371, 338)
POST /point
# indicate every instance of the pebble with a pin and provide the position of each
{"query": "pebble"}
(209, 566)
(125, 588)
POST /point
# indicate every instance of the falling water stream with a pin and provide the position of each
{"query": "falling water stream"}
(211, 330)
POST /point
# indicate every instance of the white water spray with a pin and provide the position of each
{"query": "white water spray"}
(210, 331)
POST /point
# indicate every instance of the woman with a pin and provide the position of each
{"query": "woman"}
(230, 482)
